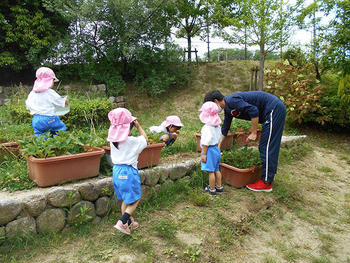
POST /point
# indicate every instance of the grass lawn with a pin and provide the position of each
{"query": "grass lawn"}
(305, 219)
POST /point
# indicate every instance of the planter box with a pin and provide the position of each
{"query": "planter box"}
(9, 148)
(56, 170)
(240, 138)
(226, 145)
(149, 157)
(239, 177)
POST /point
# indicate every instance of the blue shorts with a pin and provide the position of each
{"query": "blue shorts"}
(42, 124)
(213, 159)
(126, 183)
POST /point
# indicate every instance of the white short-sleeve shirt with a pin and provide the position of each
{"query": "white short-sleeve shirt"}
(44, 103)
(128, 151)
(210, 135)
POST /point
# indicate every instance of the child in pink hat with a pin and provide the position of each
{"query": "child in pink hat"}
(41, 103)
(168, 130)
(125, 150)
(210, 138)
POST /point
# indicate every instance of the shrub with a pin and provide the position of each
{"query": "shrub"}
(82, 113)
(300, 91)
(241, 157)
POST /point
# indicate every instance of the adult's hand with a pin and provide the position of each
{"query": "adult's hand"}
(252, 136)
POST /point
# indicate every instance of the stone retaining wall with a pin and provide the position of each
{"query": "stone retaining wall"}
(53, 208)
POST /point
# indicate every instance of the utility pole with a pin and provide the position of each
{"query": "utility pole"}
(208, 42)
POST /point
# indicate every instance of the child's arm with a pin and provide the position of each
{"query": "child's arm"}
(140, 130)
(204, 153)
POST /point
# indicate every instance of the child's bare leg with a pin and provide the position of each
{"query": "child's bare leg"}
(123, 207)
(218, 178)
(211, 180)
(130, 209)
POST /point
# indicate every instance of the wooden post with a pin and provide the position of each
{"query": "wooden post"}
(256, 78)
(251, 78)
(195, 51)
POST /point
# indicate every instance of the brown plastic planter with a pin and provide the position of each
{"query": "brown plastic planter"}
(226, 144)
(60, 169)
(239, 177)
(240, 138)
(9, 148)
(149, 157)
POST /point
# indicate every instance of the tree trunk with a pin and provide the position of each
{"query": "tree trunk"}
(189, 57)
(261, 69)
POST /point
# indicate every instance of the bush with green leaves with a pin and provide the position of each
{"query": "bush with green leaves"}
(82, 113)
(64, 143)
(242, 157)
(299, 90)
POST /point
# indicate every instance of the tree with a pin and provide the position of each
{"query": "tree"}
(191, 17)
(310, 18)
(28, 33)
(258, 23)
(338, 37)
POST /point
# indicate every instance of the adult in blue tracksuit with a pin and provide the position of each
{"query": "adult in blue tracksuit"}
(259, 107)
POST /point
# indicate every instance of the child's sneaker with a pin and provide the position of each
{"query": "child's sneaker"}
(134, 224)
(124, 228)
(219, 190)
(208, 190)
(260, 186)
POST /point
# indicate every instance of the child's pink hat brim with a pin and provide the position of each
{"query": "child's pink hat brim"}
(44, 78)
(120, 119)
(209, 114)
(172, 120)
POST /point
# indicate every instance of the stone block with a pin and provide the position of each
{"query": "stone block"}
(63, 197)
(102, 206)
(9, 210)
(20, 227)
(51, 220)
(35, 204)
(88, 191)
(105, 186)
(151, 177)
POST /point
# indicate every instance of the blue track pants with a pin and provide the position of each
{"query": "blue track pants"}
(271, 140)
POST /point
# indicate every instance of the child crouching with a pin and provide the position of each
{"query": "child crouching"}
(125, 150)
(210, 138)
(168, 130)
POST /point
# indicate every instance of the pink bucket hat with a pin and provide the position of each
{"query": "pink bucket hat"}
(44, 78)
(209, 114)
(172, 120)
(120, 124)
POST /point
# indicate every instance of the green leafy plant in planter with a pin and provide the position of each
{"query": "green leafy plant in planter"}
(240, 166)
(62, 158)
(238, 125)
(64, 143)
(242, 157)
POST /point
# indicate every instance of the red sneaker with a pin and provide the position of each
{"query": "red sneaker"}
(260, 186)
